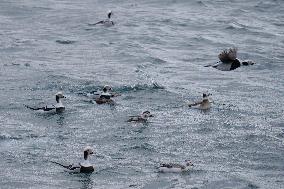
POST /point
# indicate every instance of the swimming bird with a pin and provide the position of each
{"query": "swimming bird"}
(106, 89)
(82, 167)
(140, 118)
(175, 168)
(228, 61)
(58, 107)
(108, 22)
(204, 104)
(105, 96)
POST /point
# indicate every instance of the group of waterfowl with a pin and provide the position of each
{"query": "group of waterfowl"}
(105, 97)
(228, 61)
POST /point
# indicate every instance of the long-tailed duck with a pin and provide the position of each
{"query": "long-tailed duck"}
(175, 168)
(105, 96)
(204, 104)
(107, 22)
(140, 118)
(228, 61)
(82, 167)
(106, 89)
(58, 107)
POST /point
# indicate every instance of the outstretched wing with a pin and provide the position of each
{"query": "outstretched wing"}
(228, 55)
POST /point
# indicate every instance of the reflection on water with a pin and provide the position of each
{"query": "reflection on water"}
(86, 181)
(60, 120)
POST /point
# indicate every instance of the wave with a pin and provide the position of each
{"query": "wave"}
(156, 60)
(65, 42)
(137, 87)
(143, 147)
(82, 87)
(42, 8)
(6, 136)
(121, 89)
(236, 26)
(264, 5)
(201, 3)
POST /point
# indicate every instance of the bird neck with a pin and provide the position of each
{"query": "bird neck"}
(109, 15)
(86, 155)
(58, 99)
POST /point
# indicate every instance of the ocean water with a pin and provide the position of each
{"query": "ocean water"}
(154, 57)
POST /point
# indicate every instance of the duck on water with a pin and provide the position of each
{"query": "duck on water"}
(104, 97)
(82, 167)
(228, 61)
(175, 168)
(107, 22)
(58, 107)
(204, 104)
(140, 118)
(97, 93)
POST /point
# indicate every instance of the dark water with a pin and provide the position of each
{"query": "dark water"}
(154, 57)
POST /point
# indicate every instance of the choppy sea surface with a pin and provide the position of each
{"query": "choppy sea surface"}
(154, 57)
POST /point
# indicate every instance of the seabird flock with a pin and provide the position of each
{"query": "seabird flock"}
(228, 61)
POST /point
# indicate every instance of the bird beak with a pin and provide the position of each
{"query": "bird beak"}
(151, 115)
